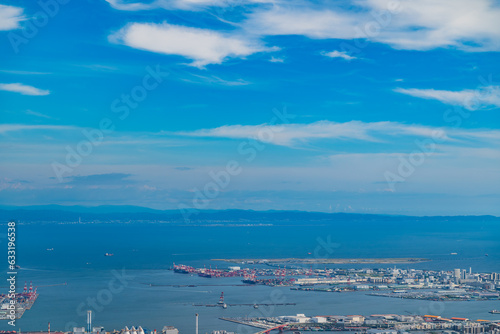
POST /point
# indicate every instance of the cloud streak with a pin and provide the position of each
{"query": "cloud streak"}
(38, 114)
(292, 135)
(482, 98)
(5, 128)
(338, 54)
(297, 135)
(217, 80)
(23, 89)
(179, 4)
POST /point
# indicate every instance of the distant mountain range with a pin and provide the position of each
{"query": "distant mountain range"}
(59, 213)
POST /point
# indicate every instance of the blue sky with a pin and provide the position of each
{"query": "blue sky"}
(370, 106)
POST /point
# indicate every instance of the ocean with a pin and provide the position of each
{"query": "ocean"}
(117, 288)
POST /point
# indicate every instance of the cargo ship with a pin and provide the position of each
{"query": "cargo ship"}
(206, 275)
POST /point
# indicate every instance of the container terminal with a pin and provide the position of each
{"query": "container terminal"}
(23, 301)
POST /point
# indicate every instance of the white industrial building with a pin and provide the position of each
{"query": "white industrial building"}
(78, 330)
(170, 330)
(82, 330)
(381, 331)
(319, 320)
(354, 319)
(362, 287)
(299, 318)
(319, 280)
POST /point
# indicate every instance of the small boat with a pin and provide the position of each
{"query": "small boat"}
(50, 249)
(495, 312)
(109, 254)
(453, 253)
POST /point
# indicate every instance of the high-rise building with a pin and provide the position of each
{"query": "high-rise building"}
(89, 321)
(458, 274)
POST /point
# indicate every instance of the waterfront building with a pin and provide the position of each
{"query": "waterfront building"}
(78, 330)
(169, 330)
(361, 287)
(319, 320)
(474, 328)
(299, 318)
(381, 331)
(98, 330)
(354, 319)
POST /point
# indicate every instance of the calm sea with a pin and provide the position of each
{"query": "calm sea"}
(144, 252)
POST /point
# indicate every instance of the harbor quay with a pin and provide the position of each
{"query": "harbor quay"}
(372, 324)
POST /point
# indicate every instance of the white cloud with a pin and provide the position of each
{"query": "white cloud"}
(294, 134)
(203, 46)
(216, 80)
(24, 72)
(313, 23)
(23, 89)
(277, 60)
(4, 128)
(426, 24)
(10, 17)
(180, 4)
(37, 114)
(484, 97)
(338, 54)
(286, 135)
(131, 6)
(413, 25)
(471, 25)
